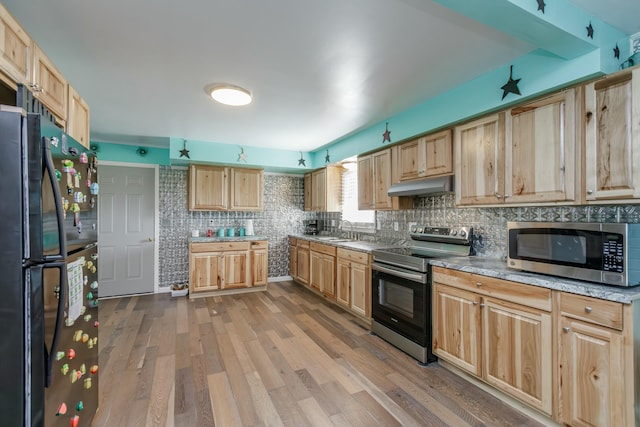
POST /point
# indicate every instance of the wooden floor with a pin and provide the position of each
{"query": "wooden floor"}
(280, 357)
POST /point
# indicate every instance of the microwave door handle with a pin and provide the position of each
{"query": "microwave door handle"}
(50, 354)
(51, 171)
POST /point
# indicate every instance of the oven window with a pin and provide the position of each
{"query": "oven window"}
(396, 297)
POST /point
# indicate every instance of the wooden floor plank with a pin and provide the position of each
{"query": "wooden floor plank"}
(285, 357)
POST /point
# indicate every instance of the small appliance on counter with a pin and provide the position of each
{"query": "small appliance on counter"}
(606, 253)
(312, 226)
(248, 227)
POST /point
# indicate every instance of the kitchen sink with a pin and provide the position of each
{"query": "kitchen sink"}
(332, 239)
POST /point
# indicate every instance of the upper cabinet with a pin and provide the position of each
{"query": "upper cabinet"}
(78, 122)
(324, 189)
(612, 137)
(247, 188)
(521, 156)
(479, 161)
(215, 188)
(541, 150)
(15, 50)
(208, 188)
(424, 157)
(48, 84)
(375, 176)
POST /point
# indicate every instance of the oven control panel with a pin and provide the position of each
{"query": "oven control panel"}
(461, 235)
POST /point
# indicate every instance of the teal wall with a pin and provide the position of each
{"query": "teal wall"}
(562, 55)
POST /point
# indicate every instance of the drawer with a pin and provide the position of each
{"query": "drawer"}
(355, 256)
(527, 295)
(593, 310)
(219, 246)
(260, 244)
(323, 249)
(302, 243)
(292, 241)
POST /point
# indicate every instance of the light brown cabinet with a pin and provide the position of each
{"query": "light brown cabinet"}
(78, 121)
(479, 161)
(596, 380)
(540, 150)
(48, 84)
(375, 176)
(427, 156)
(323, 189)
(322, 268)
(247, 188)
(497, 330)
(302, 262)
(227, 266)
(612, 135)
(214, 188)
(293, 257)
(15, 51)
(526, 155)
(353, 281)
(208, 188)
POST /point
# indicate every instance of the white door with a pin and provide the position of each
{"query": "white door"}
(126, 230)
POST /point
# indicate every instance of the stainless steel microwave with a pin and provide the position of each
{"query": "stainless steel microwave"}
(607, 253)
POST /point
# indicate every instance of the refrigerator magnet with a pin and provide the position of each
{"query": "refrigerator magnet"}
(62, 409)
(64, 369)
(84, 158)
(71, 354)
(79, 406)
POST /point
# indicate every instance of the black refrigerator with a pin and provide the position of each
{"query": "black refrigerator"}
(48, 275)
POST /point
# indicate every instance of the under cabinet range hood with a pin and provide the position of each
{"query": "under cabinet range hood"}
(422, 187)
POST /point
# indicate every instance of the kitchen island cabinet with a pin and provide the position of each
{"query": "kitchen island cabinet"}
(222, 267)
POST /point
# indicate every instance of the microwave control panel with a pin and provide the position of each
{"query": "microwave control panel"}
(613, 253)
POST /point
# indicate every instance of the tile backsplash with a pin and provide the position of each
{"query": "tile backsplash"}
(283, 214)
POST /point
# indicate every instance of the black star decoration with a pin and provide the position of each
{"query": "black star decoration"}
(184, 152)
(386, 136)
(511, 86)
(326, 158)
(541, 5)
(616, 52)
(301, 161)
(590, 31)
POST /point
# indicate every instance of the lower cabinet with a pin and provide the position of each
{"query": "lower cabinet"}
(596, 373)
(322, 268)
(219, 266)
(516, 337)
(293, 257)
(353, 281)
(496, 338)
(302, 262)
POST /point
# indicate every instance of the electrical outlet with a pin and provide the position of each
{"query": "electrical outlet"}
(333, 222)
(396, 226)
(378, 225)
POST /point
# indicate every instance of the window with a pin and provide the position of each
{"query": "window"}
(364, 220)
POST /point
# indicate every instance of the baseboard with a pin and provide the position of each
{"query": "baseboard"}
(280, 279)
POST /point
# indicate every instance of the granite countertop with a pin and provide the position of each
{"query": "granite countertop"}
(356, 245)
(214, 239)
(494, 267)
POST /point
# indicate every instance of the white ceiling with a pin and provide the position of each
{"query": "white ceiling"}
(318, 70)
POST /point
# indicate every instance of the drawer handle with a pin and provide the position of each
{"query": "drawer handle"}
(566, 329)
(474, 303)
(588, 309)
(482, 305)
(478, 284)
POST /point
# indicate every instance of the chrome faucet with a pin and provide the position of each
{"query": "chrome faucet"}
(350, 232)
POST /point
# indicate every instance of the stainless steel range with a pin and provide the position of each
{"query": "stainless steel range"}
(401, 287)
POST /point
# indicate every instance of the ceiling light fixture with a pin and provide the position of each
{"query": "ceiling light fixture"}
(229, 94)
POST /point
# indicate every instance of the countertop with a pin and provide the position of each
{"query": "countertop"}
(214, 239)
(493, 267)
(356, 245)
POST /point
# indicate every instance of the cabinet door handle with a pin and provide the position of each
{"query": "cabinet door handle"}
(482, 305)
(565, 329)
(474, 303)
(588, 309)
(589, 191)
(498, 196)
(478, 284)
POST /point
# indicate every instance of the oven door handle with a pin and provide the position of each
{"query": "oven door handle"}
(416, 277)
